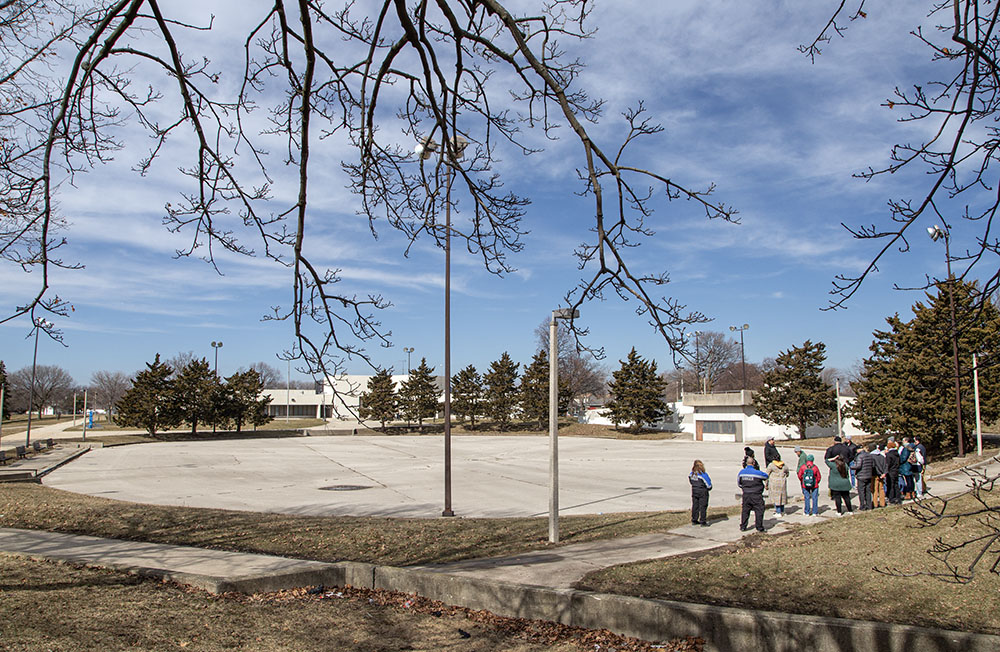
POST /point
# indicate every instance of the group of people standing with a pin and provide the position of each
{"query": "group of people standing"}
(882, 473)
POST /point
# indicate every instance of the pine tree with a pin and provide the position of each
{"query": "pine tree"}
(907, 386)
(535, 390)
(467, 394)
(419, 394)
(149, 403)
(637, 393)
(794, 393)
(241, 401)
(500, 396)
(379, 402)
(197, 393)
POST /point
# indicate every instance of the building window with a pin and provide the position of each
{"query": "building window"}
(719, 427)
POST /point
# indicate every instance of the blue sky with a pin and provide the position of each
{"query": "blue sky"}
(778, 135)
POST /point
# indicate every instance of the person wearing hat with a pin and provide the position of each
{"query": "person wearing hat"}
(802, 458)
(749, 459)
(770, 452)
(809, 477)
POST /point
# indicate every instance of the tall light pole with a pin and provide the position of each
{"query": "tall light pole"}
(39, 325)
(697, 363)
(936, 233)
(408, 350)
(561, 313)
(743, 358)
(216, 346)
(288, 389)
(450, 158)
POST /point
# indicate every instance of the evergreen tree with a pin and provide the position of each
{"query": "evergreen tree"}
(149, 403)
(467, 394)
(198, 394)
(419, 394)
(379, 402)
(637, 393)
(535, 390)
(907, 386)
(794, 393)
(241, 401)
(500, 395)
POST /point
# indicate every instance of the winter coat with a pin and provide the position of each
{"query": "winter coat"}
(881, 465)
(852, 450)
(770, 454)
(892, 462)
(751, 481)
(751, 461)
(838, 449)
(777, 482)
(816, 473)
(802, 461)
(864, 466)
(835, 482)
(905, 467)
(700, 483)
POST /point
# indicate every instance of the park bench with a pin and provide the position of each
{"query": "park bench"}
(37, 445)
(49, 443)
(3, 457)
(22, 452)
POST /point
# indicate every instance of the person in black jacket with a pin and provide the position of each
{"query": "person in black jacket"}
(751, 481)
(770, 452)
(864, 470)
(892, 474)
(852, 449)
(749, 459)
(701, 484)
(838, 448)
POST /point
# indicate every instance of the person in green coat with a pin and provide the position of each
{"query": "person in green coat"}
(802, 459)
(839, 481)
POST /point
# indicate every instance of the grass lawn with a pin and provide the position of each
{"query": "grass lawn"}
(18, 423)
(398, 542)
(826, 569)
(52, 606)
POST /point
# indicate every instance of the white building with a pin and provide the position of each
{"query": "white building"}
(337, 397)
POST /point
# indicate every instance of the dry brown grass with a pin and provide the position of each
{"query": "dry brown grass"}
(397, 542)
(825, 569)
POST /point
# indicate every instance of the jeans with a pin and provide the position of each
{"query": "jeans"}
(853, 478)
(811, 496)
(918, 484)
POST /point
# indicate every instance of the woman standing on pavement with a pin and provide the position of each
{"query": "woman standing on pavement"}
(777, 485)
(701, 484)
(839, 481)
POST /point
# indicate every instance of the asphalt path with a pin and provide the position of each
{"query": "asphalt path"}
(402, 476)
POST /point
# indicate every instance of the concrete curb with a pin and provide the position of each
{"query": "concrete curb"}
(723, 628)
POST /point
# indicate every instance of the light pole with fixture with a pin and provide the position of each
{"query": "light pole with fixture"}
(40, 324)
(936, 233)
(743, 358)
(408, 350)
(561, 313)
(425, 150)
(697, 362)
(216, 346)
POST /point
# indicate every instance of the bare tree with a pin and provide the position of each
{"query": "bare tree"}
(181, 360)
(377, 77)
(52, 385)
(269, 374)
(959, 111)
(579, 371)
(713, 354)
(108, 387)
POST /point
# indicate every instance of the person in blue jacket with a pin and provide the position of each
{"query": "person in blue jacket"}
(751, 481)
(701, 484)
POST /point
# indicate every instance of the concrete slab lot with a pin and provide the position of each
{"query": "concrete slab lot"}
(403, 476)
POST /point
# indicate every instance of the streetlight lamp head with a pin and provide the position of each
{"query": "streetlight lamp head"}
(565, 313)
(425, 148)
(935, 232)
(732, 328)
(746, 326)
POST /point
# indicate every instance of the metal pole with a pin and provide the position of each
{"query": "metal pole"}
(74, 408)
(743, 360)
(840, 425)
(697, 362)
(979, 423)
(553, 433)
(447, 348)
(954, 346)
(31, 391)
(1, 409)
(288, 390)
(84, 415)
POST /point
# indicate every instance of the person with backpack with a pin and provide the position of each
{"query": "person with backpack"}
(701, 484)
(809, 477)
(906, 467)
(751, 481)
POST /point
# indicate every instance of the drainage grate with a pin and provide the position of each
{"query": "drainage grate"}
(345, 487)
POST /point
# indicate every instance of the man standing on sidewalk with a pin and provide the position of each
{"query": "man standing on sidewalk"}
(751, 481)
